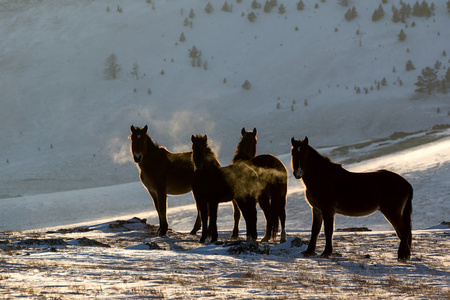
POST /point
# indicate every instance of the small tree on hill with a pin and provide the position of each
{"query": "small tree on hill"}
(401, 36)
(255, 4)
(427, 81)
(251, 17)
(112, 68)
(209, 8)
(351, 14)
(378, 13)
(410, 66)
(300, 5)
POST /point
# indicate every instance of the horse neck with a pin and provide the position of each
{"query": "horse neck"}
(243, 152)
(152, 146)
(317, 163)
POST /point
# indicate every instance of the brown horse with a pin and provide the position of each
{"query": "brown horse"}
(331, 189)
(214, 184)
(161, 172)
(273, 183)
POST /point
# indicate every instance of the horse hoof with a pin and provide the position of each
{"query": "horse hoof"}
(193, 232)
(308, 254)
(264, 240)
(325, 255)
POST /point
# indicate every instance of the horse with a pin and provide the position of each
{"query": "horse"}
(273, 179)
(330, 189)
(161, 172)
(214, 184)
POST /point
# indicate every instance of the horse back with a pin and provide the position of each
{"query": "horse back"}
(270, 169)
(173, 172)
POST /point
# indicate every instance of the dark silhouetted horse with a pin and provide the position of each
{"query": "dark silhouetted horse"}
(273, 183)
(331, 189)
(214, 184)
(162, 172)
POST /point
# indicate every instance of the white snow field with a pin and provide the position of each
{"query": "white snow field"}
(75, 223)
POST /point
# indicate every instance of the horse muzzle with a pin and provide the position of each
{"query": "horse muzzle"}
(298, 173)
(138, 158)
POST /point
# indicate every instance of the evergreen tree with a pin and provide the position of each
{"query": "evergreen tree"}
(378, 13)
(246, 85)
(427, 81)
(112, 68)
(267, 7)
(209, 8)
(251, 17)
(300, 5)
(447, 75)
(182, 37)
(410, 66)
(191, 14)
(401, 35)
(226, 7)
(351, 14)
(255, 4)
(281, 9)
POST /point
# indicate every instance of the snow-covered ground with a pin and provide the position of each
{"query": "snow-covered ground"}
(65, 162)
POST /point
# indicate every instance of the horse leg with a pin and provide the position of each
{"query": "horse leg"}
(401, 221)
(160, 202)
(264, 203)
(316, 226)
(197, 225)
(248, 208)
(282, 216)
(202, 208)
(328, 221)
(237, 217)
(213, 207)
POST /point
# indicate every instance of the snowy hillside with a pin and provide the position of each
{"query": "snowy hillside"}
(64, 126)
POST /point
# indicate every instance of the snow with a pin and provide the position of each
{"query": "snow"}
(65, 161)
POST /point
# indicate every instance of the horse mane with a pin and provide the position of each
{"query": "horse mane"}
(323, 160)
(240, 153)
(210, 155)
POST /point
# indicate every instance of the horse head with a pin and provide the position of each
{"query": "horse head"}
(298, 152)
(199, 146)
(246, 148)
(139, 142)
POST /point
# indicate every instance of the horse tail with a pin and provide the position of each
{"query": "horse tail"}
(407, 212)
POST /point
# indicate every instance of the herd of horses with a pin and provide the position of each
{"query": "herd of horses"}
(263, 179)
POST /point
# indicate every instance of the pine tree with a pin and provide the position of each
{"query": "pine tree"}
(246, 85)
(251, 17)
(281, 9)
(401, 36)
(191, 14)
(410, 66)
(427, 81)
(226, 7)
(447, 75)
(112, 68)
(267, 7)
(209, 8)
(182, 37)
(378, 13)
(255, 4)
(351, 14)
(300, 5)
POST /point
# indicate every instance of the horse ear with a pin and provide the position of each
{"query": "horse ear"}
(306, 141)
(242, 130)
(145, 128)
(192, 138)
(254, 130)
(292, 141)
(133, 129)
